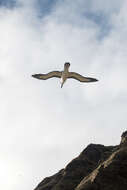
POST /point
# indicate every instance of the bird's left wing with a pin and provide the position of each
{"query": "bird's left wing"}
(81, 78)
(48, 75)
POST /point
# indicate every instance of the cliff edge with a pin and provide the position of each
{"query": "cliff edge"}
(98, 167)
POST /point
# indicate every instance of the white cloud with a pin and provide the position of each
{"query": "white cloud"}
(43, 126)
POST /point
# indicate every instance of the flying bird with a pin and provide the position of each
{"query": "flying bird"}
(64, 75)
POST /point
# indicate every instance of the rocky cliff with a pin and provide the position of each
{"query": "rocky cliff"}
(98, 167)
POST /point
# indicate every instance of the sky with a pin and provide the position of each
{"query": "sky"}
(43, 127)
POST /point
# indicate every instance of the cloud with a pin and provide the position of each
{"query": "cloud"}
(8, 3)
(43, 126)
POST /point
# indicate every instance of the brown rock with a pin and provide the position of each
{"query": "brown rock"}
(110, 175)
(98, 167)
(124, 139)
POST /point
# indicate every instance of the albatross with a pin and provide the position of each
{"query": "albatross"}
(64, 75)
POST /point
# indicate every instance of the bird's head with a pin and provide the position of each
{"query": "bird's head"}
(67, 65)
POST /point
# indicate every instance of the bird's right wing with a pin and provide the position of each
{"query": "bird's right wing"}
(48, 75)
(81, 78)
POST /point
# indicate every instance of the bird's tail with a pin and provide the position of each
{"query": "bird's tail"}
(61, 85)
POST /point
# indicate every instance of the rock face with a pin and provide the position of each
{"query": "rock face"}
(98, 167)
(124, 139)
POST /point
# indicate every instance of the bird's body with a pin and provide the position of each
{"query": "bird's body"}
(64, 75)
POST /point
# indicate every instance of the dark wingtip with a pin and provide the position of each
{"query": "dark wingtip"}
(95, 80)
(34, 76)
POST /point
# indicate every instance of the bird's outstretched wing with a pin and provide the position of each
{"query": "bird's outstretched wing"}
(48, 75)
(81, 78)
